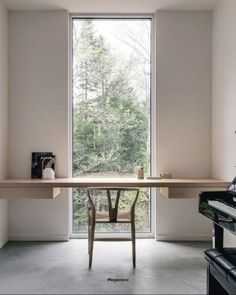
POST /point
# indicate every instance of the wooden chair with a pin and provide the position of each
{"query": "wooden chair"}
(113, 215)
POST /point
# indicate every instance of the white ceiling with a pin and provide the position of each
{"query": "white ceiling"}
(115, 6)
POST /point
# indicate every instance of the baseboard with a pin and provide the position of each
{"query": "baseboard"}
(3, 243)
(183, 238)
(65, 237)
(38, 238)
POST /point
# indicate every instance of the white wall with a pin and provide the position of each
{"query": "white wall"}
(224, 93)
(3, 121)
(111, 6)
(38, 116)
(184, 42)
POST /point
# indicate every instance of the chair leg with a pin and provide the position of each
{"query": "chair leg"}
(133, 242)
(89, 238)
(89, 232)
(91, 243)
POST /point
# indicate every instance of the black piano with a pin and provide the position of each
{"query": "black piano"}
(220, 207)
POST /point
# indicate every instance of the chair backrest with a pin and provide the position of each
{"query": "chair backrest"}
(113, 211)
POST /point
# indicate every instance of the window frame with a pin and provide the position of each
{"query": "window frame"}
(153, 151)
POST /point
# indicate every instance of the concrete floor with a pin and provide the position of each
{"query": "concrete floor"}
(62, 268)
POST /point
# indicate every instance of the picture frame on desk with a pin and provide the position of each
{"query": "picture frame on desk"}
(38, 160)
(48, 167)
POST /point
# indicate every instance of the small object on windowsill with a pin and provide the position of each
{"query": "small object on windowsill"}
(140, 173)
(166, 175)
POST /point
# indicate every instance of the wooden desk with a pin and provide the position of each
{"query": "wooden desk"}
(49, 189)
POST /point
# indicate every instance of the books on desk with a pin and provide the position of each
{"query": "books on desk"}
(41, 160)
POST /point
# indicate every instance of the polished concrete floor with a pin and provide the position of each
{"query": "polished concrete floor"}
(61, 268)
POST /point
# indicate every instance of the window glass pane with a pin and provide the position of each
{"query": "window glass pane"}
(111, 108)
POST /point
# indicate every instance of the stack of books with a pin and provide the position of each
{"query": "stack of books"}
(40, 161)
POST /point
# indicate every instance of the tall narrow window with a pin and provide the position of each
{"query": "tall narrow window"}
(111, 108)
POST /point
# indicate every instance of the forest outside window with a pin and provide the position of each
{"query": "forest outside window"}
(111, 78)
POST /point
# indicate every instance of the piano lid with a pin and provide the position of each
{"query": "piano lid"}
(220, 207)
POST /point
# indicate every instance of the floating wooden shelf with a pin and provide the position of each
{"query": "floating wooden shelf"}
(49, 189)
(186, 193)
(29, 193)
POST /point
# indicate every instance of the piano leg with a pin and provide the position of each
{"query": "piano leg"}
(218, 236)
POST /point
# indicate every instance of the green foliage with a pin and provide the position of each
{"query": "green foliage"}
(80, 216)
(110, 123)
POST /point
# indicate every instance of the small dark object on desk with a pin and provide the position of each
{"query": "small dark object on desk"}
(38, 160)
